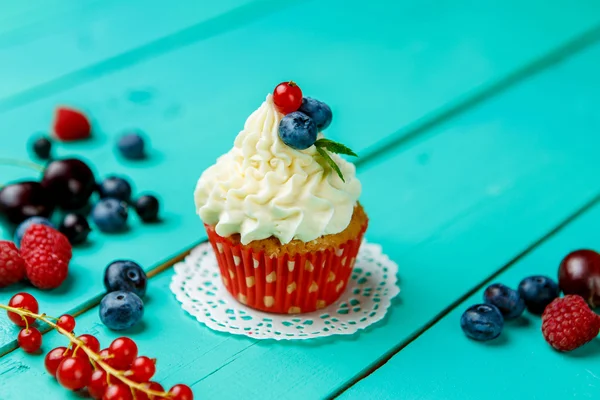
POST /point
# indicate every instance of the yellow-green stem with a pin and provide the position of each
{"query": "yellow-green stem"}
(120, 375)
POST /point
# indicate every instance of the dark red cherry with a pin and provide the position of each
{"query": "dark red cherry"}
(21, 200)
(579, 273)
(71, 183)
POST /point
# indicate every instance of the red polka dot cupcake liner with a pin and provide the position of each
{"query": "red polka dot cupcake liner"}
(284, 284)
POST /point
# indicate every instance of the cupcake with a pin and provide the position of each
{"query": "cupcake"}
(281, 208)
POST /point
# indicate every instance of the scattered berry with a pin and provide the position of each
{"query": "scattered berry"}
(30, 339)
(91, 342)
(121, 310)
(568, 323)
(287, 97)
(75, 227)
(71, 124)
(98, 384)
(47, 254)
(26, 302)
(54, 358)
(118, 391)
(42, 148)
(107, 357)
(318, 111)
(482, 322)
(70, 182)
(157, 387)
(131, 146)
(146, 207)
(508, 301)
(66, 322)
(115, 187)
(124, 351)
(537, 292)
(20, 231)
(110, 215)
(12, 266)
(22, 200)
(298, 131)
(142, 369)
(127, 276)
(181, 392)
(74, 373)
(579, 273)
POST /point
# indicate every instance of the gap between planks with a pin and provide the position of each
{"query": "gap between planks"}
(529, 249)
(226, 22)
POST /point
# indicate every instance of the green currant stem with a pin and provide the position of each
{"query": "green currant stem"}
(18, 163)
(96, 359)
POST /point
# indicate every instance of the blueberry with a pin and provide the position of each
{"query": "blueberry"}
(75, 227)
(26, 224)
(508, 301)
(42, 148)
(110, 215)
(115, 188)
(131, 146)
(318, 111)
(537, 292)
(298, 131)
(125, 275)
(146, 207)
(482, 322)
(121, 310)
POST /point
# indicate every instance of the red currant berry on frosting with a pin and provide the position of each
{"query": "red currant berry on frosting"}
(24, 301)
(30, 339)
(287, 97)
(67, 322)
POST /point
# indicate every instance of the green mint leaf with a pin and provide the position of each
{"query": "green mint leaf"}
(334, 147)
(331, 163)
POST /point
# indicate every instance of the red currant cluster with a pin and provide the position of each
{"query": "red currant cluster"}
(115, 373)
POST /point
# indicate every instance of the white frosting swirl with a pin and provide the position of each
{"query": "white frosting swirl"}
(263, 188)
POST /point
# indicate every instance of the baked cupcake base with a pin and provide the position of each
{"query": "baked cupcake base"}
(289, 279)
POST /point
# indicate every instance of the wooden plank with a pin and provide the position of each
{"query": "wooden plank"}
(197, 95)
(521, 163)
(57, 44)
(444, 364)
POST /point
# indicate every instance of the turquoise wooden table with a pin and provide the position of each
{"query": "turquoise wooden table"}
(477, 129)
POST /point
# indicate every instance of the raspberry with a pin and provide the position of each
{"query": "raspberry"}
(568, 323)
(47, 253)
(70, 124)
(12, 266)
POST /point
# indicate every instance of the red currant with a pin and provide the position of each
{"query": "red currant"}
(154, 386)
(118, 391)
(181, 392)
(77, 353)
(74, 373)
(98, 384)
(26, 301)
(142, 369)
(67, 322)
(30, 339)
(90, 342)
(54, 358)
(124, 351)
(287, 97)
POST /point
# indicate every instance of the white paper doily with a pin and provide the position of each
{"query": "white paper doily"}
(198, 286)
